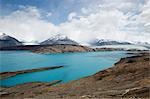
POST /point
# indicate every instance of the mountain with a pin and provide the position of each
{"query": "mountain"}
(108, 42)
(141, 43)
(58, 39)
(144, 44)
(8, 41)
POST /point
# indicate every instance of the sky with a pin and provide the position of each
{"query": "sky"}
(80, 20)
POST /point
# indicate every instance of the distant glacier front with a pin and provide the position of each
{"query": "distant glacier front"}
(126, 47)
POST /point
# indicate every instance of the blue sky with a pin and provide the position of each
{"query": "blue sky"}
(59, 8)
(81, 20)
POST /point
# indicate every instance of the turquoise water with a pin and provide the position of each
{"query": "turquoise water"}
(76, 65)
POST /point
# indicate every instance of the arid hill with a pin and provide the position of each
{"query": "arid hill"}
(62, 48)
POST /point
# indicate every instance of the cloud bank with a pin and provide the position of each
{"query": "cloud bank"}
(124, 20)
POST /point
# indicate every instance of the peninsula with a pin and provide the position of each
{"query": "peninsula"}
(4, 75)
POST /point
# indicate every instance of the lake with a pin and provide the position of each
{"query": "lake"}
(76, 65)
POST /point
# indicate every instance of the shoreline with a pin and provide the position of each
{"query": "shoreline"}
(126, 78)
(62, 48)
(5, 75)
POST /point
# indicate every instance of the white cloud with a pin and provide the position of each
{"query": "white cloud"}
(100, 24)
(72, 15)
(144, 17)
(118, 19)
(84, 10)
(26, 24)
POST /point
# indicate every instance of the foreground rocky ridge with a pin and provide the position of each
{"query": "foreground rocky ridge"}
(128, 78)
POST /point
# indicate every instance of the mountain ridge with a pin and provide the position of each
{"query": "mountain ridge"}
(8, 41)
(59, 39)
(101, 42)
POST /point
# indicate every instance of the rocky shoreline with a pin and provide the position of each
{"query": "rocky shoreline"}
(70, 48)
(60, 48)
(128, 78)
(4, 75)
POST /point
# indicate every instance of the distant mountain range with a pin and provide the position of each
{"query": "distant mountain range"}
(7, 41)
(103, 42)
(59, 39)
(145, 44)
(141, 43)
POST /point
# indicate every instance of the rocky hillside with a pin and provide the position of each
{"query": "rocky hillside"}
(128, 78)
(62, 48)
(8, 41)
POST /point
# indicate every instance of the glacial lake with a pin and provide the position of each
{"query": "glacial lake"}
(76, 65)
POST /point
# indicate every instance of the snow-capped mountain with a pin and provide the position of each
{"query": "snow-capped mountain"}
(58, 39)
(141, 43)
(102, 42)
(7, 41)
(145, 44)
